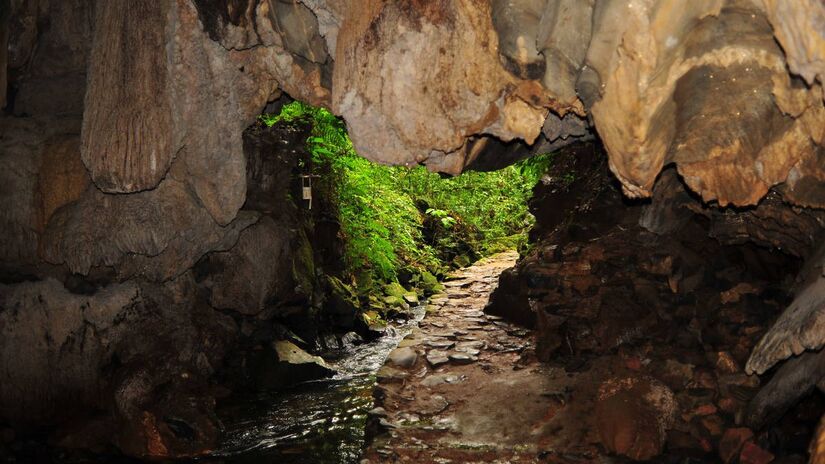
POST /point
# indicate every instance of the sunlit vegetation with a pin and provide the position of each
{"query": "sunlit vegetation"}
(410, 223)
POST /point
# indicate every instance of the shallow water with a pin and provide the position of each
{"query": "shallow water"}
(314, 422)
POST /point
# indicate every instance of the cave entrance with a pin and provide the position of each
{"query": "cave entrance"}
(387, 245)
(395, 225)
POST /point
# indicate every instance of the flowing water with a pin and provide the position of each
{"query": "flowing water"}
(314, 422)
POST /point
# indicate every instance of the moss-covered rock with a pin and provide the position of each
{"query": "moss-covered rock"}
(462, 261)
(342, 303)
(430, 284)
(394, 289)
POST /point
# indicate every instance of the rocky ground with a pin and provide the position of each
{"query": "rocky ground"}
(468, 387)
(464, 386)
(630, 345)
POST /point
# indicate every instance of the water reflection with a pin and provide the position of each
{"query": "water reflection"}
(314, 422)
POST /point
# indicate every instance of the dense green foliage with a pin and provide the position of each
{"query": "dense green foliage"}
(397, 220)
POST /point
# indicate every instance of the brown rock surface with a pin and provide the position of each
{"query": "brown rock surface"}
(62, 178)
(633, 415)
(401, 112)
(127, 142)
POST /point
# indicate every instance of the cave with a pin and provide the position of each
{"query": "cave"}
(220, 241)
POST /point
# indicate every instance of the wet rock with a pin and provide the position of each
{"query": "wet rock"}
(411, 298)
(377, 412)
(404, 357)
(633, 415)
(389, 374)
(430, 284)
(342, 303)
(440, 344)
(288, 364)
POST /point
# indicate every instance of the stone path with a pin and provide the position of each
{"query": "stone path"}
(464, 386)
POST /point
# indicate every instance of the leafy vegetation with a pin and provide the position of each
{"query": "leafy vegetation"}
(406, 222)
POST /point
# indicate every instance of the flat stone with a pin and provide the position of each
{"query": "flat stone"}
(439, 379)
(441, 344)
(433, 405)
(473, 344)
(462, 358)
(469, 351)
(437, 358)
(403, 357)
(407, 342)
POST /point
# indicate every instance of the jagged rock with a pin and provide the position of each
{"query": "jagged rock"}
(800, 327)
(797, 28)
(687, 67)
(564, 37)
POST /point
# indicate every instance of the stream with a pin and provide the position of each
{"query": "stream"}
(319, 421)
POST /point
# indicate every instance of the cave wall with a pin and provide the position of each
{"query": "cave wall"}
(122, 155)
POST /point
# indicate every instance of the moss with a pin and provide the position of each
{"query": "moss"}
(430, 284)
(462, 261)
(342, 300)
(411, 298)
(373, 319)
(394, 289)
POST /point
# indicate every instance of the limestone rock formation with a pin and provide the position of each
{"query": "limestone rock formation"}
(127, 144)
(255, 272)
(54, 345)
(181, 232)
(415, 80)
(122, 154)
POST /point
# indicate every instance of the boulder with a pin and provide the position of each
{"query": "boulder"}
(341, 306)
(286, 364)
(257, 271)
